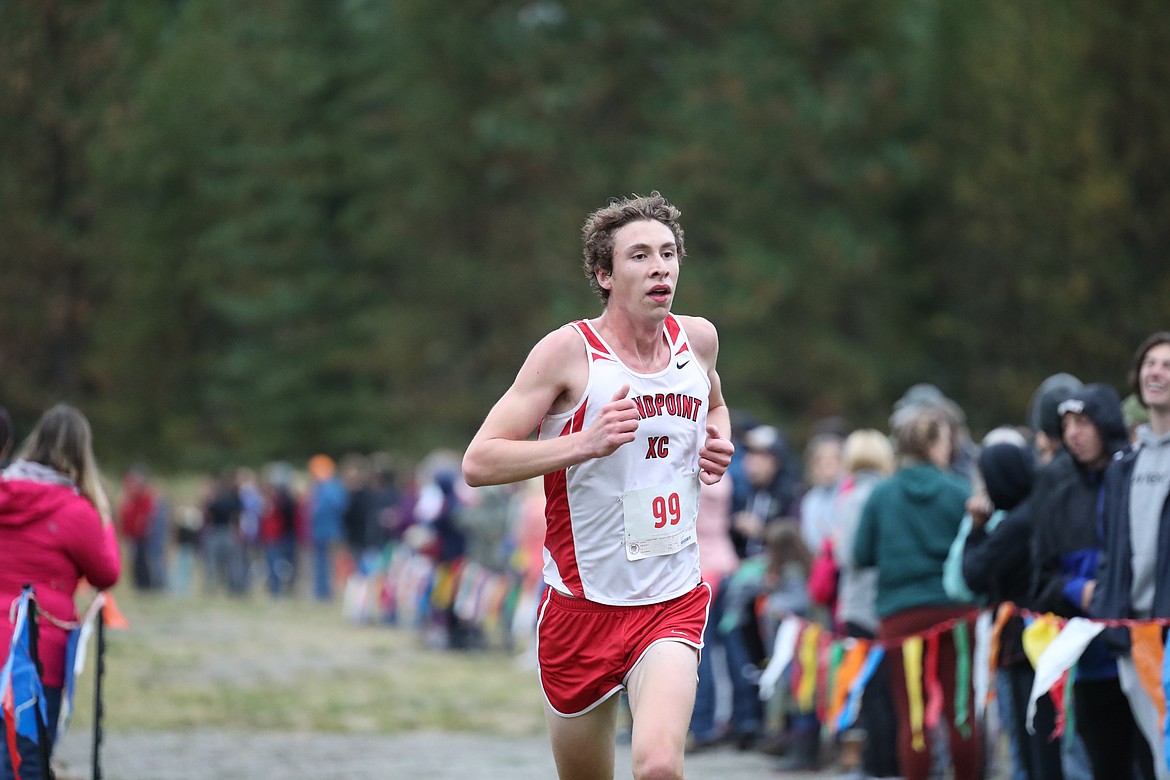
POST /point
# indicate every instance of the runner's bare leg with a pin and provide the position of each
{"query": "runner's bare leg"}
(662, 694)
(583, 747)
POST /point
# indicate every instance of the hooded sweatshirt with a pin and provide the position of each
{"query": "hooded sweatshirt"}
(1067, 539)
(997, 561)
(1067, 532)
(906, 530)
(997, 556)
(1149, 487)
(50, 537)
(1113, 597)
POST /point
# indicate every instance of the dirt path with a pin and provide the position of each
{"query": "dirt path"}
(220, 689)
(208, 755)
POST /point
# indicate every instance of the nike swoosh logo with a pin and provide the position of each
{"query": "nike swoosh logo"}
(682, 364)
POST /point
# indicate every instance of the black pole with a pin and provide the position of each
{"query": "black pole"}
(34, 652)
(98, 708)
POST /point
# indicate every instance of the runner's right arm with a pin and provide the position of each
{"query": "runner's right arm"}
(553, 376)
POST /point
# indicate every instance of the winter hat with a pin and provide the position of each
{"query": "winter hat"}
(1102, 405)
(766, 438)
(1008, 472)
(1042, 413)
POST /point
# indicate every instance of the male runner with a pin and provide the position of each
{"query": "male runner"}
(630, 418)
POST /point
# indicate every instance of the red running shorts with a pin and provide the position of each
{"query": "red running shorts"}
(586, 650)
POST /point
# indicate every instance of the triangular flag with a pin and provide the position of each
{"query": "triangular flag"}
(1058, 657)
(1006, 610)
(1038, 635)
(809, 645)
(912, 669)
(783, 650)
(1056, 693)
(22, 698)
(934, 689)
(848, 669)
(1166, 696)
(982, 670)
(857, 687)
(962, 678)
(1147, 652)
(75, 656)
(113, 616)
(835, 653)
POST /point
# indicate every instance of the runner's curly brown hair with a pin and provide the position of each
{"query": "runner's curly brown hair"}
(600, 226)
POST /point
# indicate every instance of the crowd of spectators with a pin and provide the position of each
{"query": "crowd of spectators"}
(873, 535)
(907, 537)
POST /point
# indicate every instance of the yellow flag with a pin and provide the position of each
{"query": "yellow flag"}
(912, 668)
(1039, 635)
(809, 642)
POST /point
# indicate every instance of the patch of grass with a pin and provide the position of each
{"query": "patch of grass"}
(257, 665)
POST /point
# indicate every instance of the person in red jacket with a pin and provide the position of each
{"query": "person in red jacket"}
(136, 512)
(55, 529)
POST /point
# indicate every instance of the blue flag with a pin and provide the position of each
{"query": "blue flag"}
(21, 694)
(75, 656)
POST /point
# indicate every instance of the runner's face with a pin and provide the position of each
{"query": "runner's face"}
(645, 267)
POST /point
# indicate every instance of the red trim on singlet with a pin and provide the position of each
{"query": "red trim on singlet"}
(591, 337)
(672, 328)
(597, 346)
(558, 536)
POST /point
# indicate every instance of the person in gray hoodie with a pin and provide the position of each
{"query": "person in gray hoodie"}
(1133, 578)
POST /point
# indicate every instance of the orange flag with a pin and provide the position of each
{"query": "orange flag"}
(1148, 652)
(111, 615)
(1006, 610)
(846, 673)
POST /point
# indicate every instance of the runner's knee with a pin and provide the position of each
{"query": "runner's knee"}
(659, 764)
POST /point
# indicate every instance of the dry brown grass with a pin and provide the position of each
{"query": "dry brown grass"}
(295, 665)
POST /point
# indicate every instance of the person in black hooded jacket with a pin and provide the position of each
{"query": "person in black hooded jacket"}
(1066, 546)
(997, 562)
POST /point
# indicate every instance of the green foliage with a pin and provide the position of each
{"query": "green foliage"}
(236, 232)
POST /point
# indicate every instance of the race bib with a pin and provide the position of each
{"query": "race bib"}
(660, 520)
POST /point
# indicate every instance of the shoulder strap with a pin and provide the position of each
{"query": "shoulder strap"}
(593, 343)
(676, 336)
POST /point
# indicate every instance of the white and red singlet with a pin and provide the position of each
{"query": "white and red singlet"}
(621, 529)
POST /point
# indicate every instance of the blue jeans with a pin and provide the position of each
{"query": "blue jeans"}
(1005, 707)
(280, 556)
(323, 570)
(734, 660)
(30, 754)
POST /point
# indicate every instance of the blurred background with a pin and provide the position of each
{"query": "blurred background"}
(243, 231)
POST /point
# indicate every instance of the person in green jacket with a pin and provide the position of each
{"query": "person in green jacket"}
(906, 530)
